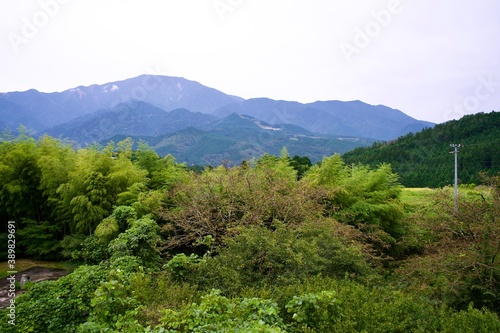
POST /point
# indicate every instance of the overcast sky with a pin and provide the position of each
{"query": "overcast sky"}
(435, 60)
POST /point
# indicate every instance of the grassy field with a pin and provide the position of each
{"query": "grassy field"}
(23, 264)
(417, 196)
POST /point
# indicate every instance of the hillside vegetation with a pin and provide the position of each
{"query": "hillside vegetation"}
(422, 159)
(274, 244)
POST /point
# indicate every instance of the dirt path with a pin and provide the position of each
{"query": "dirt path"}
(35, 273)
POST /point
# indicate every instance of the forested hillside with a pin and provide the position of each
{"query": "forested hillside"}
(274, 244)
(422, 159)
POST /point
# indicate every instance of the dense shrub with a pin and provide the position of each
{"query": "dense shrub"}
(216, 313)
(58, 306)
(218, 200)
(140, 240)
(460, 264)
(259, 256)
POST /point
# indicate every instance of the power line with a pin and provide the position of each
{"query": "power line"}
(456, 146)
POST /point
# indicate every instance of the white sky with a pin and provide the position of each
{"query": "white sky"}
(435, 60)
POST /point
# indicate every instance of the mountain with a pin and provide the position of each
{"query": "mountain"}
(353, 118)
(134, 118)
(237, 137)
(12, 115)
(423, 159)
(41, 111)
(199, 124)
(165, 92)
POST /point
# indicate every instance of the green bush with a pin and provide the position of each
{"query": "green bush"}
(216, 313)
(321, 304)
(317, 311)
(58, 306)
(86, 249)
(114, 299)
(140, 240)
(471, 321)
(130, 299)
(259, 256)
(181, 264)
(41, 239)
(459, 264)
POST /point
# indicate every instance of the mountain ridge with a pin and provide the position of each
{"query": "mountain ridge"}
(134, 118)
(240, 137)
(331, 117)
(165, 92)
(156, 106)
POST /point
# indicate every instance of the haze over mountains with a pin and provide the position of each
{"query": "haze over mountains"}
(199, 124)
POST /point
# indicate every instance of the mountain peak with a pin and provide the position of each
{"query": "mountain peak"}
(158, 105)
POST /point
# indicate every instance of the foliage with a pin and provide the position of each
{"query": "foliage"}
(114, 224)
(107, 230)
(58, 306)
(181, 264)
(290, 247)
(220, 199)
(140, 240)
(460, 262)
(162, 172)
(472, 320)
(40, 239)
(19, 179)
(216, 313)
(300, 164)
(114, 302)
(259, 256)
(88, 250)
(359, 196)
(422, 159)
(317, 311)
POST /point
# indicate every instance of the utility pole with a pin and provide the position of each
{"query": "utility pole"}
(456, 146)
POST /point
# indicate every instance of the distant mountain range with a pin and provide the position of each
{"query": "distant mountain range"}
(356, 119)
(167, 93)
(198, 124)
(134, 118)
(237, 137)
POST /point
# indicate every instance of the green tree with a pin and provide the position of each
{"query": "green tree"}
(121, 218)
(20, 196)
(301, 164)
(220, 199)
(368, 199)
(140, 240)
(95, 183)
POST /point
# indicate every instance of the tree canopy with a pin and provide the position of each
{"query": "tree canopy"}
(272, 245)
